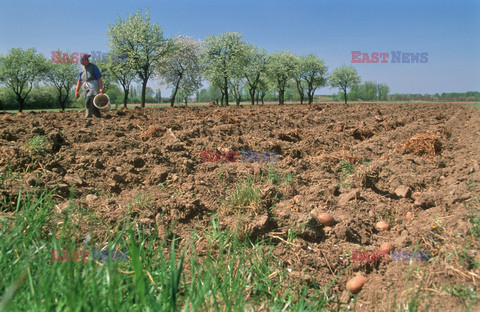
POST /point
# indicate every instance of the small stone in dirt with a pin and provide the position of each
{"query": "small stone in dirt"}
(91, 197)
(425, 201)
(72, 179)
(174, 177)
(258, 224)
(298, 199)
(403, 191)
(462, 227)
(146, 221)
(61, 207)
(328, 229)
(301, 276)
(345, 198)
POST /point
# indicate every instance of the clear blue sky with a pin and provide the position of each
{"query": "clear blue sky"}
(449, 31)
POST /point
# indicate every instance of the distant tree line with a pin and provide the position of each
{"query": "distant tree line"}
(371, 91)
(235, 70)
(460, 96)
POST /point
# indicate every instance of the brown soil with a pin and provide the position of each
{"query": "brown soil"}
(422, 159)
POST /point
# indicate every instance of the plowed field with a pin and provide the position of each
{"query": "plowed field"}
(359, 163)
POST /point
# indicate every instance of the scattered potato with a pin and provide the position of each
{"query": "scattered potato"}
(386, 247)
(355, 284)
(325, 219)
(409, 216)
(382, 226)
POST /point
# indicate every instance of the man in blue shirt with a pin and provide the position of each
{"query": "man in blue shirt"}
(91, 78)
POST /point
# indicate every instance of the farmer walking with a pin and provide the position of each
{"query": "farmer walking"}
(91, 78)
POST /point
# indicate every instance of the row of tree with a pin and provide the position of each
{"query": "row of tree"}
(369, 91)
(227, 62)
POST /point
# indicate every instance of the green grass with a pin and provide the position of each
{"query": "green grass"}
(160, 274)
(141, 202)
(275, 178)
(247, 191)
(167, 273)
(475, 220)
(8, 173)
(346, 169)
(468, 294)
(36, 144)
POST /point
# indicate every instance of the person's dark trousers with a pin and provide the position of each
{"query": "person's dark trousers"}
(91, 109)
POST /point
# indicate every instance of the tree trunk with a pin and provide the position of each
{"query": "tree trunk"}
(20, 101)
(281, 96)
(345, 95)
(310, 97)
(310, 92)
(144, 91)
(225, 90)
(125, 97)
(238, 98)
(62, 101)
(252, 95)
(300, 91)
(172, 100)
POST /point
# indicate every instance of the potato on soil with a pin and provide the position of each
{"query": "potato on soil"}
(382, 226)
(386, 247)
(355, 284)
(325, 219)
(409, 216)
